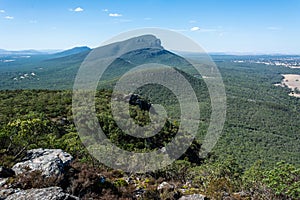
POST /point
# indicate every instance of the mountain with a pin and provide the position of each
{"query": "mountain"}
(58, 71)
(73, 51)
(138, 57)
(22, 52)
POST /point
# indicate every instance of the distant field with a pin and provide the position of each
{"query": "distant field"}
(292, 81)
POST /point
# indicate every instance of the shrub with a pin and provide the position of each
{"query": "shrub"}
(35, 179)
(284, 180)
(120, 182)
(217, 177)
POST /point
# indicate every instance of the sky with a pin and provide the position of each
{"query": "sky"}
(218, 26)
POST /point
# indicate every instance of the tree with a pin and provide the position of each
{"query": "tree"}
(27, 133)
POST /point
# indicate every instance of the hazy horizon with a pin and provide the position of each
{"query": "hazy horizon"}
(209, 52)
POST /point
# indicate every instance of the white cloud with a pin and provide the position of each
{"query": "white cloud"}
(2, 11)
(9, 17)
(105, 10)
(195, 28)
(203, 30)
(115, 15)
(78, 9)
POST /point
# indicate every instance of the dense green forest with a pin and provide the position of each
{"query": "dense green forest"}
(43, 118)
(261, 118)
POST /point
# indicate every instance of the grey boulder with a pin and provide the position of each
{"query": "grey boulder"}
(194, 197)
(49, 161)
(165, 186)
(51, 193)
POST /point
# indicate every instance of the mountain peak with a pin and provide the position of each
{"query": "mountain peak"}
(125, 46)
(149, 41)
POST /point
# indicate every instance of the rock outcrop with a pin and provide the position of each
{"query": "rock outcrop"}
(51, 193)
(49, 161)
(4, 193)
(137, 100)
(165, 186)
(194, 197)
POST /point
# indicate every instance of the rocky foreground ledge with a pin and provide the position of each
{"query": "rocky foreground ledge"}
(51, 165)
(49, 162)
(51, 193)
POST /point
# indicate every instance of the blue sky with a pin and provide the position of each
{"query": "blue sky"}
(218, 26)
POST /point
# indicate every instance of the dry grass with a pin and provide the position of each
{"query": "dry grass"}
(291, 81)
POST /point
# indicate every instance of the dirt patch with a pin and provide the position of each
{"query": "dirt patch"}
(291, 81)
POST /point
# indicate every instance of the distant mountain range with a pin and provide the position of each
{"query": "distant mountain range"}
(23, 52)
(80, 49)
(56, 53)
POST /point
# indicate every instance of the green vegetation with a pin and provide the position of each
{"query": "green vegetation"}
(262, 120)
(45, 120)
